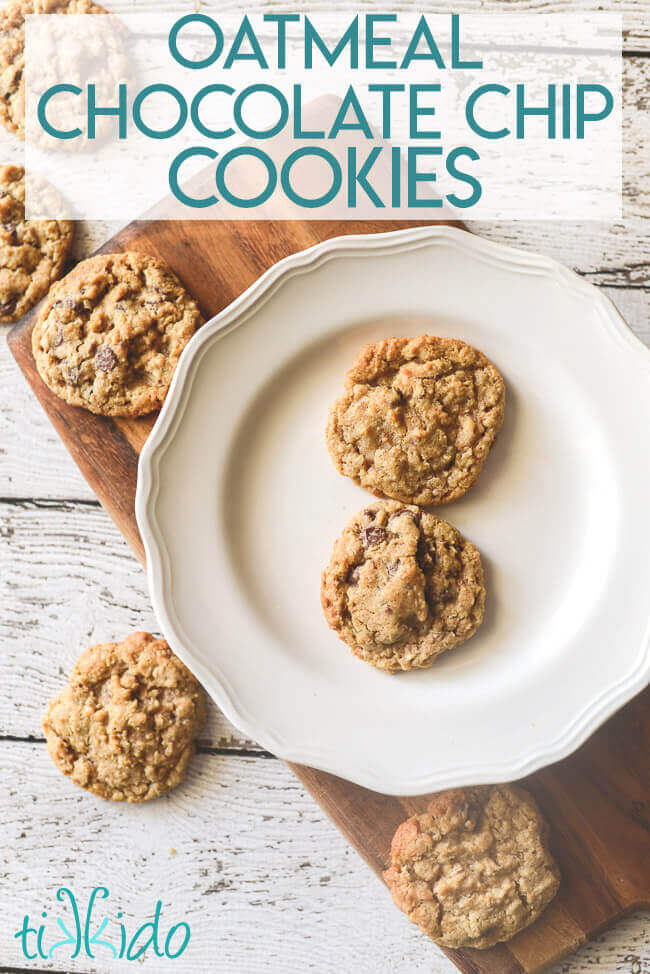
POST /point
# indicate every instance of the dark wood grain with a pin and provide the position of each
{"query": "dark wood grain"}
(598, 800)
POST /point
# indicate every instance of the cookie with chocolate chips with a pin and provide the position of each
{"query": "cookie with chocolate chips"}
(32, 252)
(402, 587)
(110, 334)
(417, 419)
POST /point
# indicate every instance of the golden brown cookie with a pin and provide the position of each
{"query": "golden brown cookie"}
(12, 52)
(110, 334)
(32, 252)
(417, 418)
(474, 869)
(124, 727)
(402, 587)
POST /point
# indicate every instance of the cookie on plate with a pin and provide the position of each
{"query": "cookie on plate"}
(111, 332)
(474, 869)
(32, 252)
(124, 727)
(12, 52)
(402, 587)
(417, 418)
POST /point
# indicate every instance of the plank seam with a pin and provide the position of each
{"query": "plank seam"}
(615, 287)
(240, 752)
(17, 739)
(53, 503)
(31, 970)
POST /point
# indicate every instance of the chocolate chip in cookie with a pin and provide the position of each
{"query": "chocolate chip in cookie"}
(105, 359)
(98, 344)
(402, 587)
(33, 253)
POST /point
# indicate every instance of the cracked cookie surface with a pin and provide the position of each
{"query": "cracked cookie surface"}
(32, 252)
(474, 869)
(417, 419)
(124, 727)
(111, 332)
(402, 586)
(12, 52)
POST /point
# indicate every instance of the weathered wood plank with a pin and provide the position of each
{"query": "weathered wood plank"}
(71, 580)
(636, 135)
(613, 254)
(34, 461)
(265, 881)
(634, 13)
(636, 28)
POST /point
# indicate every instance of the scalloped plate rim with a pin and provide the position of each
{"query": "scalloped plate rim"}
(591, 716)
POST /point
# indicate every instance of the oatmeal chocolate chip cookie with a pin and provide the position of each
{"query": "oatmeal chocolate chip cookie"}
(125, 725)
(417, 418)
(32, 252)
(12, 52)
(110, 334)
(474, 869)
(402, 587)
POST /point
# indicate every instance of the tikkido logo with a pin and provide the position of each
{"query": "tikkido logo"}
(88, 931)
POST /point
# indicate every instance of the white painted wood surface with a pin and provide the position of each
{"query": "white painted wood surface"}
(265, 881)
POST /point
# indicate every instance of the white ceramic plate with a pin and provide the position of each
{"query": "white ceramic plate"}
(239, 503)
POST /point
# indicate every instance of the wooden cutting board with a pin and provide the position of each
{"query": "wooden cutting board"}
(597, 801)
